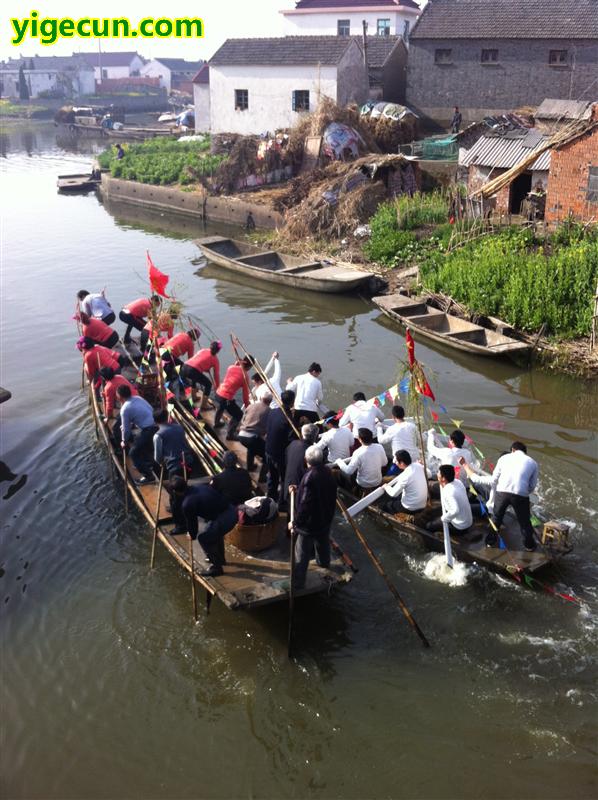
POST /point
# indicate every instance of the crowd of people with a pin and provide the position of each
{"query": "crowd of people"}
(294, 442)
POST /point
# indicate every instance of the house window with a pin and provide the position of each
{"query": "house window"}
(343, 27)
(241, 99)
(443, 56)
(301, 100)
(104, 73)
(558, 58)
(383, 28)
(489, 56)
(593, 185)
(406, 26)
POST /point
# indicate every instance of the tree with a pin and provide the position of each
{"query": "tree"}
(23, 88)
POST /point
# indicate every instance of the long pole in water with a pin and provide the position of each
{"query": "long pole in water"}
(193, 598)
(292, 576)
(448, 550)
(380, 568)
(156, 520)
(126, 479)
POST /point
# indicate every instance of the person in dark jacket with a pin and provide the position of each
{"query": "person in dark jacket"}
(315, 503)
(279, 434)
(295, 458)
(170, 446)
(234, 482)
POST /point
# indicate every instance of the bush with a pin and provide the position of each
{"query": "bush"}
(525, 281)
(421, 209)
(387, 242)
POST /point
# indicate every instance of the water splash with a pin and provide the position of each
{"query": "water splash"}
(436, 569)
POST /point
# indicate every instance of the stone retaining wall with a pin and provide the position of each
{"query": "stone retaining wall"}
(194, 204)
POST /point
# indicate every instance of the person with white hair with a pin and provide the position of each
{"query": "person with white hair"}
(315, 503)
(295, 458)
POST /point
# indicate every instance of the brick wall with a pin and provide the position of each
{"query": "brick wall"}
(568, 180)
(521, 77)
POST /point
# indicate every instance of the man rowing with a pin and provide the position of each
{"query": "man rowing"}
(235, 380)
(456, 510)
(197, 369)
(173, 349)
(170, 446)
(366, 463)
(135, 314)
(408, 491)
(98, 331)
(137, 413)
(96, 356)
(273, 380)
(401, 435)
(111, 383)
(337, 441)
(361, 414)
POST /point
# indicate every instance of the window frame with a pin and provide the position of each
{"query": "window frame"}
(386, 30)
(295, 107)
(244, 104)
(560, 62)
(487, 51)
(592, 190)
(443, 61)
(343, 23)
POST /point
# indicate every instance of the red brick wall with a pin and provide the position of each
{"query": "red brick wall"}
(568, 180)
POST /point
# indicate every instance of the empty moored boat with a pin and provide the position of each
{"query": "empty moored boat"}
(276, 267)
(77, 183)
(417, 314)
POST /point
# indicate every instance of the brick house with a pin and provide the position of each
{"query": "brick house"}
(387, 67)
(493, 56)
(573, 178)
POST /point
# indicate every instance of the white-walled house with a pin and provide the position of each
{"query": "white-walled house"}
(62, 76)
(345, 17)
(173, 73)
(114, 65)
(260, 85)
(201, 99)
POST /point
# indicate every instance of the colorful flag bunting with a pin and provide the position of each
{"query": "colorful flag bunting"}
(457, 422)
(442, 408)
(434, 416)
(404, 386)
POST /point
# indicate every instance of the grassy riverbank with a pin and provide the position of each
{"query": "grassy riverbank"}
(162, 162)
(22, 111)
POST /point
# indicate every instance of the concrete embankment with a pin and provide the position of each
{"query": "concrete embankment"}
(193, 204)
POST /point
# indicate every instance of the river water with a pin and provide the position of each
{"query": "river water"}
(110, 691)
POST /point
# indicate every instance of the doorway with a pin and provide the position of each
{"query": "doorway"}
(519, 189)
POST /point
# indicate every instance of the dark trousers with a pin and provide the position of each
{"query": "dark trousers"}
(236, 415)
(306, 544)
(311, 416)
(196, 378)
(521, 507)
(395, 506)
(256, 446)
(436, 525)
(275, 478)
(212, 539)
(109, 318)
(131, 322)
(169, 365)
(142, 450)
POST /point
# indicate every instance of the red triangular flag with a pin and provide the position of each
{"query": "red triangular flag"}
(410, 347)
(158, 280)
(434, 416)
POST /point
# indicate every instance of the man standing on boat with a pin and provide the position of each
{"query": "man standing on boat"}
(179, 345)
(401, 435)
(361, 415)
(234, 380)
(314, 512)
(367, 462)
(137, 412)
(135, 314)
(295, 458)
(170, 446)
(196, 370)
(279, 434)
(456, 510)
(252, 432)
(308, 392)
(273, 380)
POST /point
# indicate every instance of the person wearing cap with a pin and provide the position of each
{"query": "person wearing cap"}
(235, 380)
(135, 314)
(182, 344)
(196, 369)
(309, 396)
(315, 504)
(234, 482)
(295, 458)
(252, 432)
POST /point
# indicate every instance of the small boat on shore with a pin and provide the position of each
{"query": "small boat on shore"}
(77, 183)
(276, 267)
(421, 317)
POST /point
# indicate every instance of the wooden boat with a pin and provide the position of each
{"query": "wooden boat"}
(422, 318)
(248, 580)
(276, 267)
(137, 133)
(77, 183)
(513, 561)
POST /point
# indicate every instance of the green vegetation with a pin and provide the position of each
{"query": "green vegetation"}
(421, 209)
(8, 109)
(525, 280)
(162, 161)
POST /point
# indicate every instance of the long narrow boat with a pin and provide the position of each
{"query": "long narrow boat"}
(422, 318)
(77, 183)
(248, 580)
(510, 561)
(276, 267)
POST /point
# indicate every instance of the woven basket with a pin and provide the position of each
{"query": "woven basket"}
(253, 538)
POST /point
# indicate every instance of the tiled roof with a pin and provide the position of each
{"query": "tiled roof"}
(564, 109)
(284, 50)
(203, 76)
(110, 59)
(508, 19)
(180, 65)
(49, 62)
(379, 48)
(503, 152)
(341, 5)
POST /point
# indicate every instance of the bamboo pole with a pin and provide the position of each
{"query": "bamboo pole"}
(126, 479)
(193, 597)
(156, 520)
(234, 342)
(292, 568)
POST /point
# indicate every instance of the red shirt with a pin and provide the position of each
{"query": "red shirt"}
(180, 344)
(97, 330)
(204, 361)
(234, 380)
(155, 328)
(107, 358)
(110, 393)
(139, 308)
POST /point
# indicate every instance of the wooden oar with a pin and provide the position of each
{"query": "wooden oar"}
(366, 501)
(126, 479)
(292, 575)
(448, 550)
(193, 598)
(380, 568)
(156, 520)
(234, 341)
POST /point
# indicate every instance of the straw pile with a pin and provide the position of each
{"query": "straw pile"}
(389, 134)
(316, 123)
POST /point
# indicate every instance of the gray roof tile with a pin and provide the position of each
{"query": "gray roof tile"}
(285, 50)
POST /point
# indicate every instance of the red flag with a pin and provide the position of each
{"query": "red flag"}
(427, 390)
(423, 387)
(410, 347)
(158, 280)
(434, 416)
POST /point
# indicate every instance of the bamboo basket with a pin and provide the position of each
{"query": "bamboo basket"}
(254, 538)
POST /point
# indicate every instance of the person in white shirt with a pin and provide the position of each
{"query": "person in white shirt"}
(338, 441)
(410, 489)
(96, 306)
(514, 478)
(273, 380)
(456, 510)
(360, 414)
(401, 435)
(308, 394)
(367, 461)
(449, 455)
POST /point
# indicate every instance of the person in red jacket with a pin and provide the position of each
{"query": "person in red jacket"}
(235, 379)
(95, 357)
(136, 313)
(98, 331)
(196, 369)
(111, 384)
(183, 344)
(152, 330)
